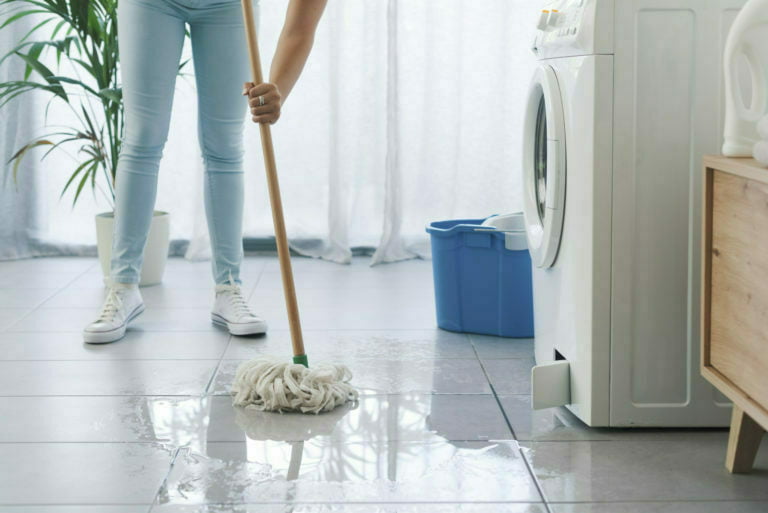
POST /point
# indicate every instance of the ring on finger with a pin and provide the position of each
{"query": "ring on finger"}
(261, 101)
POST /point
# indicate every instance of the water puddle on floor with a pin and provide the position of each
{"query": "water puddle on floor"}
(382, 449)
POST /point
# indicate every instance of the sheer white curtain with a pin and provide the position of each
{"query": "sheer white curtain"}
(408, 111)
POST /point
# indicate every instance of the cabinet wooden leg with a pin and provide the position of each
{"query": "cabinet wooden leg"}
(743, 441)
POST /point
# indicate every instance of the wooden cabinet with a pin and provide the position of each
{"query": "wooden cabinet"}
(735, 298)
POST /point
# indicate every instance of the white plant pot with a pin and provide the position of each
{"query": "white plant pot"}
(155, 252)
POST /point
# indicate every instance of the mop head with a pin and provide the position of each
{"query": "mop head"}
(269, 385)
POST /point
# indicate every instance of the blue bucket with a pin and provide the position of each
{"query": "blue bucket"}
(482, 276)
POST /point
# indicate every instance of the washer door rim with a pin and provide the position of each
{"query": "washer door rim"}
(544, 234)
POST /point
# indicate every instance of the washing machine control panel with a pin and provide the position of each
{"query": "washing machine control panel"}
(574, 27)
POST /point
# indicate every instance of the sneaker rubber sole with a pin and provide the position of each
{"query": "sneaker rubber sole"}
(246, 328)
(104, 337)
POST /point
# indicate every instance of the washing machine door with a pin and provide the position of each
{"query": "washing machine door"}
(544, 167)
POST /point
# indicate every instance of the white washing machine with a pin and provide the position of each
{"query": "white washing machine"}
(626, 99)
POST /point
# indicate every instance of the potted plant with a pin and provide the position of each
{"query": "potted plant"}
(84, 34)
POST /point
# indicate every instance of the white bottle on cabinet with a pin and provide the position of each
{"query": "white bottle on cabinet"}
(744, 47)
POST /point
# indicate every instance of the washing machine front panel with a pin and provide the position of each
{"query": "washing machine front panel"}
(572, 297)
(544, 167)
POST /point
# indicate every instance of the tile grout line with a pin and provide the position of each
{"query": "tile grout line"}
(256, 282)
(7, 329)
(493, 389)
(164, 481)
(535, 479)
(83, 273)
(512, 430)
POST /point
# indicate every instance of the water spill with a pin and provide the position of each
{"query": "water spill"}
(275, 472)
(386, 448)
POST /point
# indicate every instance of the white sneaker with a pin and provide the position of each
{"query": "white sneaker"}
(231, 310)
(122, 305)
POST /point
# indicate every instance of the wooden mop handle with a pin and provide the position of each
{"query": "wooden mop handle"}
(274, 196)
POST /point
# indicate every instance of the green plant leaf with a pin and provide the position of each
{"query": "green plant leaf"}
(73, 137)
(61, 46)
(35, 28)
(19, 155)
(58, 27)
(46, 73)
(34, 53)
(67, 80)
(83, 181)
(74, 175)
(9, 90)
(112, 94)
(84, 64)
(20, 15)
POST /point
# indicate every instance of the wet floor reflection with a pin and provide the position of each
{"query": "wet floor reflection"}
(350, 472)
(388, 448)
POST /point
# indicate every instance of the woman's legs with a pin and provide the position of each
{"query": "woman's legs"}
(221, 66)
(151, 36)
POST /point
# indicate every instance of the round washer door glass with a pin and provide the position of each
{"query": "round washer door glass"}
(544, 167)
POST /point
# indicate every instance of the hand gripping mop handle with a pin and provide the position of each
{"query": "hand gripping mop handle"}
(283, 254)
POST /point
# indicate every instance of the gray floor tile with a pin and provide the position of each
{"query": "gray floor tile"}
(354, 508)
(11, 316)
(105, 377)
(380, 376)
(186, 279)
(176, 319)
(160, 296)
(24, 298)
(92, 279)
(255, 472)
(80, 508)
(662, 507)
(68, 297)
(36, 280)
(170, 297)
(196, 421)
(56, 320)
(49, 265)
(358, 264)
(407, 417)
(178, 345)
(559, 424)
(351, 298)
(250, 265)
(631, 470)
(510, 376)
(73, 473)
(173, 420)
(441, 376)
(333, 345)
(340, 278)
(364, 317)
(502, 347)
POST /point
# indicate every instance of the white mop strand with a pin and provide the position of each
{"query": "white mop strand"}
(271, 385)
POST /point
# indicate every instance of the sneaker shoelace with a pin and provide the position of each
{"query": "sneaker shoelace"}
(236, 299)
(112, 304)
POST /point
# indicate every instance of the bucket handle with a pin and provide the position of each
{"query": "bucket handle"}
(496, 230)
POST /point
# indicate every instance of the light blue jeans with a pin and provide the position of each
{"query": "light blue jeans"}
(150, 38)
